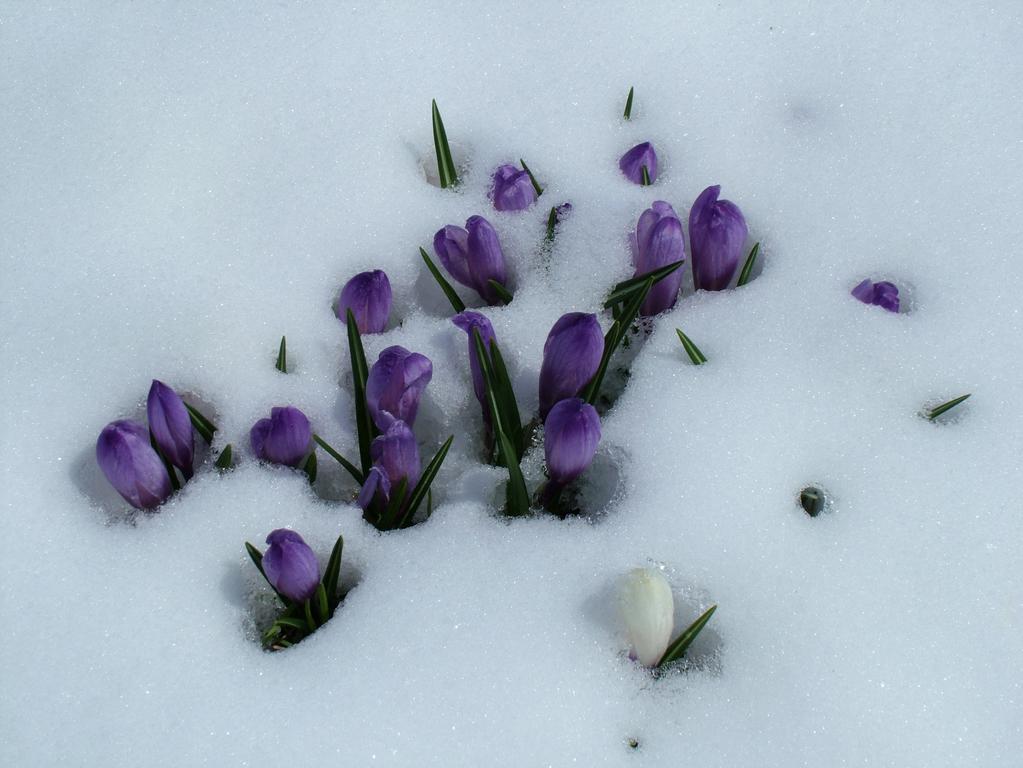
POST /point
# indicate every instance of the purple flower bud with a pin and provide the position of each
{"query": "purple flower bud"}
(468, 321)
(571, 434)
(562, 211)
(512, 189)
(396, 382)
(571, 356)
(883, 294)
(284, 438)
(657, 243)
(632, 163)
(170, 426)
(368, 295)
(290, 565)
(395, 457)
(473, 256)
(131, 465)
(717, 235)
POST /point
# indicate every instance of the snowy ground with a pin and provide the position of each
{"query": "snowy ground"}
(182, 186)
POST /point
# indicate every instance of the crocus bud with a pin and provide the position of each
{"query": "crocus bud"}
(647, 611)
(469, 321)
(883, 294)
(131, 465)
(717, 235)
(368, 295)
(632, 163)
(512, 189)
(171, 426)
(284, 438)
(290, 565)
(473, 256)
(395, 384)
(571, 357)
(659, 242)
(395, 457)
(571, 434)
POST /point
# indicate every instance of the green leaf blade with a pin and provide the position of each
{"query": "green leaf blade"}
(628, 104)
(532, 178)
(623, 290)
(682, 642)
(422, 488)
(360, 373)
(445, 162)
(695, 355)
(202, 425)
(332, 573)
(456, 303)
(503, 293)
(747, 267)
(223, 461)
(945, 407)
(613, 338)
(282, 356)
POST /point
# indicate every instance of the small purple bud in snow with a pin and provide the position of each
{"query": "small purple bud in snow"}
(131, 465)
(883, 294)
(284, 438)
(512, 189)
(468, 321)
(171, 426)
(562, 211)
(473, 256)
(571, 434)
(632, 163)
(290, 565)
(571, 356)
(368, 295)
(657, 243)
(717, 235)
(395, 384)
(395, 457)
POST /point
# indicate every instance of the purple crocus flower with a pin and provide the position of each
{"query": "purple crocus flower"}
(131, 465)
(473, 256)
(512, 189)
(571, 434)
(717, 234)
(883, 294)
(396, 382)
(171, 426)
(395, 457)
(657, 243)
(290, 565)
(284, 438)
(571, 356)
(368, 295)
(469, 321)
(632, 163)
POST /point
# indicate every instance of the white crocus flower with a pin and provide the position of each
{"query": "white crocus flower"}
(647, 610)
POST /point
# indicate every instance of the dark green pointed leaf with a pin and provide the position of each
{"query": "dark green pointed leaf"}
(691, 349)
(532, 178)
(511, 421)
(623, 290)
(287, 621)
(351, 468)
(360, 372)
(552, 222)
(747, 267)
(309, 466)
(628, 105)
(457, 304)
(322, 607)
(516, 494)
(947, 406)
(282, 356)
(224, 459)
(505, 413)
(445, 162)
(332, 573)
(683, 641)
(613, 338)
(502, 293)
(309, 620)
(645, 176)
(423, 486)
(202, 425)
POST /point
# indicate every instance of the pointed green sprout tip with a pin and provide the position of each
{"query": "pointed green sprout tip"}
(532, 178)
(552, 222)
(456, 303)
(202, 425)
(502, 293)
(683, 641)
(691, 349)
(628, 104)
(747, 267)
(224, 459)
(646, 176)
(947, 406)
(445, 162)
(282, 356)
(811, 500)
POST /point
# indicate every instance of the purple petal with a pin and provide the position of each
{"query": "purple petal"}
(886, 296)
(512, 189)
(376, 484)
(632, 163)
(717, 235)
(171, 426)
(290, 565)
(864, 292)
(571, 435)
(645, 228)
(368, 295)
(284, 438)
(469, 321)
(397, 454)
(395, 384)
(486, 259)
(571, 357)
(131, 465)
(451, 245)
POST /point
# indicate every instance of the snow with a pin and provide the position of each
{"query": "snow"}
(183, 185)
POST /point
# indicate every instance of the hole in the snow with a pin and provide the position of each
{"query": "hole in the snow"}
(461, 153)
(814, 500)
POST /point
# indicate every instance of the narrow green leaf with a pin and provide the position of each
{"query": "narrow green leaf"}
(691, 349)
(499, 412)
(511, 421)
(445, 163)
(429, 502)
(747, 267)
(623, 290)
(282, 644)
(309, 620)
(175, 483)
(309, 466)
(532, 178)
(502, 293)
(628, 105)
(646, 176)
(945, 407)
(224, 459)
(552, 222)
(257, 558)
(390, 515)
(516, 494)
(423, 486)
(332, 573)
(202, 425)
(282, 356)
(457, 304)
(351, 468)
(613, 338)
(360, 372)
(287, 621)
(322, 607)
(683, 641)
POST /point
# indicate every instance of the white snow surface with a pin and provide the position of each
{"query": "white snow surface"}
(184, 184)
